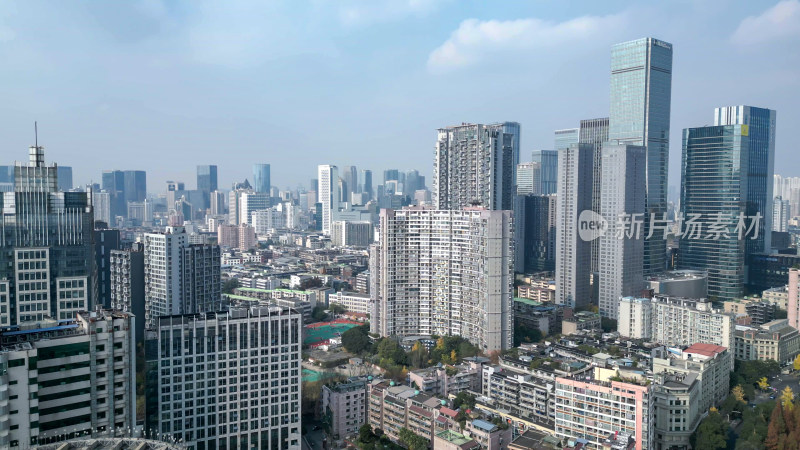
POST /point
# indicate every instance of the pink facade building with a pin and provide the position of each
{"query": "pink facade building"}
(792, 303)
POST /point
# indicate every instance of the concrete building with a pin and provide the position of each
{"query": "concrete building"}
(344, 407)
(528, 395)
(635, 318)
(778, 296)
(679, 283)
(680, 322)
(573, 249)
(593, 410)
(197, 372)
(475, 164)
(451, 440)
(580, 321)
(127, 284)
(250, 202)
(101, 203)
(352, 301)
(772, 341)
(351, 234)
(47, 259)
(529, 178)
(595, 133)
(267, 220)
(711, 365)
(441, 381)
(105, 241)
(532, 314)
(793, 298)
(535, 232)
(780, 214)
(490, 436)
(68, 379)
(445, 272)
(543, 291)
(620, 262)
(676, 398)
(328, 194)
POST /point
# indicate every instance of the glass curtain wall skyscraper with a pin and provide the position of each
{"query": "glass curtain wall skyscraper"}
(548, 170)
(595, 133)
(261, 180)
(641, 89)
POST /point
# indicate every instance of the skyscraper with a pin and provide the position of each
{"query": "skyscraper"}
(328, 181)
(595, 132)
(548, 163)
(46, 247)
(529, 178)
(114, 184)
(206, 179)
(261, 178)
(641, 88)
(135, 185)
(474, 164)
(622, 246)
(726, 172)
(366, 180)
(573, 253)
(780, 214)
(350, 177)
(535, 232)
(462, 266)
(64, 178)
(566, 137)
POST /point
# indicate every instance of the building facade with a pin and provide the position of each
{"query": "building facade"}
(535, 232)
(344, 407)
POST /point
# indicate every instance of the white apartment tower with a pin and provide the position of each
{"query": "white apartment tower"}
(445, 272)
(635, 318)
(573, 253)
(622, 204)
(226, 380)
(529, 178)
(328, 180)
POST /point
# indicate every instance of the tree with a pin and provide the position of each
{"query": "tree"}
(356, 339)
(413, 441)
(796, 364)
(365, 434)
(738, 393)
(229, 285)
(464, 399)
(318, 313)
(711, 433)
(787, 396)
(763, 383)
(777, 429)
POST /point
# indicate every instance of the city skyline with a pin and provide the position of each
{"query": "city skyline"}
(175, 44)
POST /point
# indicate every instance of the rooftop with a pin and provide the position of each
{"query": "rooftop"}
(453, 437)
(705, 349)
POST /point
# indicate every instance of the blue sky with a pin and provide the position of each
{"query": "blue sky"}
(166, 85)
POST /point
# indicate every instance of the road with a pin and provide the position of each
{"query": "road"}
(312, 440)
(779, 383)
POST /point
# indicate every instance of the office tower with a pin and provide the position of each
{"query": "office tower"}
(127, 283)
(135, 182)
(343, 191)
(234, 206)
(266, 220)
(141, 213)
(548, 164)
(7, 174)
(350, 177)
(780, 214)
(179, 278)
(391, 174)
(366, 179)
(114, 184)
(261, 343)
(535, 233)
(207, 179)
(73, 379)
(622, 204)
(641, 87)
(573, 253)
(414, 182)
(474, 165)
(529, 178)
(217, 203)
(261, 178)
(595, 132)
(105, 240)
(46, 248)
(566, 138)
(351, 234)
(732, 165)
(461, 264)
(513, 130)
(101, 204)
(328, 178)
(250, 202)
(64, 178)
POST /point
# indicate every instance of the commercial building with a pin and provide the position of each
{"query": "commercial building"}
(226, 380)
(679, 283)
(595, 132)
(249, 203)
(261, 178)
(476, 164)
(573, 251)
(733, 159)
(529, 178)
(207, 182)
(445, 272)
(548, 164)
(772, 341)
(344, 407)
(47, 259)
(105, 241)
(566, 138)
(535, 233)
(127, 284)
(101, 204)
(641, 89)
(769, 270)
(620, 264)
(63, 380)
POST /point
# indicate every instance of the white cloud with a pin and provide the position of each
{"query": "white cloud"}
(778, 22)
(365, 12)
(475, 39)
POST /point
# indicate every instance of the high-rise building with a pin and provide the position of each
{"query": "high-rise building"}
(535, 233)
(793, 298)
(350, 177)
(69, 379)
(250, 202)
(261, 178)
(730, 164)
(135, 182)
(366, 180)
(328, 178)
(573, 253)
(217, 203)
(622, 204)
(780, 214)
(595, 132)
(114, 184)
(206, 179)
(101, 204)
(64, 178)
(105, 240)
(46, 247)
(349, 233)
(635, 318)
(474, 165)
(566, 138)
(127, 283)
(679, 322)
(445, 272)
(529, 178)
(548, 165)
(641, 89)
(214, 360)
(179, 278)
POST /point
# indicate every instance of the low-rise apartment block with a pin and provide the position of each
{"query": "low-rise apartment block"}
(344, 407)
